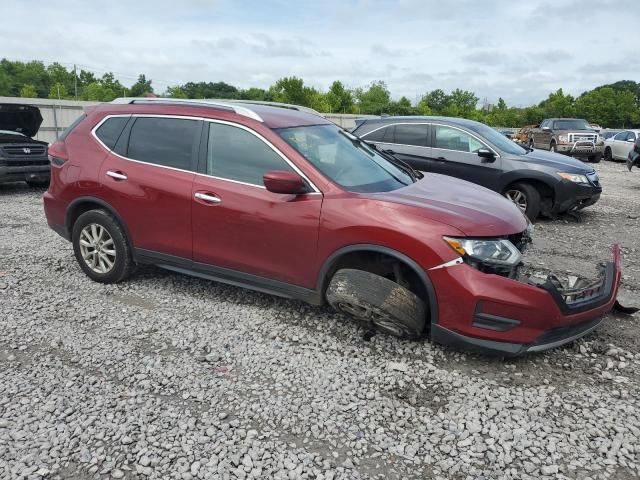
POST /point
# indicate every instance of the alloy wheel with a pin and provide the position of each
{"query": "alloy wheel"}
(97, 248)
(517, 197)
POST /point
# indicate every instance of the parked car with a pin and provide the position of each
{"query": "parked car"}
(288, 203)
(570, 136)
(619, 146)
(21, 157)
(608, 133)
(538, 182)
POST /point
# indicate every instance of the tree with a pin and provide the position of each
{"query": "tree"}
(608, 107)
(558, 105)
(435, 101)
(340, 99)
(258, 94)
(401, 107)
(375, 100)
(28, 91)
(141, 87)
(291, 90)
(5, 84)
(58, 91)
(175, 92)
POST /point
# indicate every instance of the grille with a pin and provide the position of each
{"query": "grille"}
(23, 163)
(582, 137)
(24, 150)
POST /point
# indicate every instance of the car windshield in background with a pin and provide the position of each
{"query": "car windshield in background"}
(571, 125)
(348, 162)
(497, 139)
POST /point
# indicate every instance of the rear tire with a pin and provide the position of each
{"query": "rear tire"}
(526, 197)
(101, 247)
(379, 301)
(608, 155)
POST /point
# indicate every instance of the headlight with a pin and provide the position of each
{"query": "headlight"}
(574, 177)
(494, 251)
(563, 138)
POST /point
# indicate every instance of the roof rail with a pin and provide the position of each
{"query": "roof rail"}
(273, 104)
(224, 105)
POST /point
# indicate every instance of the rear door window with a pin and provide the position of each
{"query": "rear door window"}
(169, 142)
(110, 130)
(411, 134)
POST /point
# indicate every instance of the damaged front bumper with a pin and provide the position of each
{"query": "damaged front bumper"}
(511, 317)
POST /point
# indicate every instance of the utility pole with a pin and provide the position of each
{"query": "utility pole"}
(75, 81)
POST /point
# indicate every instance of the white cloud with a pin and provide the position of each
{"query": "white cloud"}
(520, 51)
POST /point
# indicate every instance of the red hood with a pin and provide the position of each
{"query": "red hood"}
(472, 209)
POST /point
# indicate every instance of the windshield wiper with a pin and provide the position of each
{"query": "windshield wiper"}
(391, 156)
(393, 160)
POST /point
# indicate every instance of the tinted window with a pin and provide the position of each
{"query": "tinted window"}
(110, 130)
(170, 142)
(344, 159)
(410, 134)
(620, 136)
(70, 128)
(454, 139)
(237, 154)
(384, 135)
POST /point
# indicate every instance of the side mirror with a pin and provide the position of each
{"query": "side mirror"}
(546, 129)
(487, 154)
(279, 181)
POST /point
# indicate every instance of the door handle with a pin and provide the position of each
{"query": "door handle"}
(207, 197)
(116, 175)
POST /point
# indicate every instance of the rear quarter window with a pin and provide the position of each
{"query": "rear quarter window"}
(109, 132)
(71, 127)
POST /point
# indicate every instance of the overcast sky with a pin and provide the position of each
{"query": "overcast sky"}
(520, 50)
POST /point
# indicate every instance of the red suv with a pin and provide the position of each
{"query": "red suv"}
(283, 201)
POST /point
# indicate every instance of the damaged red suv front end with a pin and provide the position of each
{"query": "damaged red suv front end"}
(513, 316)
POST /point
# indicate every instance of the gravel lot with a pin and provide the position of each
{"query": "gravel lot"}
(167, 376)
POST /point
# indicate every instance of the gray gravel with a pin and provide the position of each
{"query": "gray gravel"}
(167, 376)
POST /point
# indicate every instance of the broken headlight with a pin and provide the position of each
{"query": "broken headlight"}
(574, 177)
(496, 252)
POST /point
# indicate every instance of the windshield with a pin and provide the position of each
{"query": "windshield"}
(571, 125)
(348, 162)
(497, 139)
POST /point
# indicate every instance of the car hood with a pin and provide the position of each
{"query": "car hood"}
(474, 210)
(25, 119)
(555, 160)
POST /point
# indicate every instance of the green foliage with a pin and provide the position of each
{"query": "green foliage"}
(340, 99)
(210, 90)
(175, 92)
(141, 88)
(613, 106)
(291, 90)
(28, 91)
(58, 91)
(374, 100)
(607, 106)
